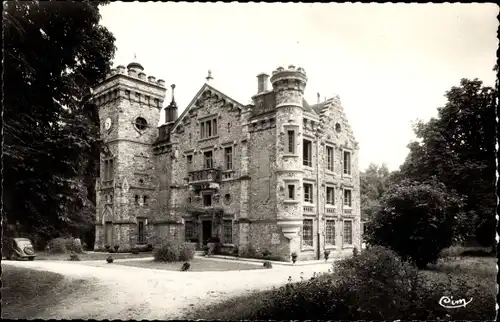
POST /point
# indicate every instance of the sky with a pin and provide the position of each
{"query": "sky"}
(391, 64)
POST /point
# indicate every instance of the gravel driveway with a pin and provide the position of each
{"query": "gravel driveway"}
(126, 292)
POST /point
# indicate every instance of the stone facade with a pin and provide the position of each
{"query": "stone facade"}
(278, 175)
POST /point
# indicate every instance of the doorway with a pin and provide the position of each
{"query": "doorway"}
(108, 233)
(206, 230)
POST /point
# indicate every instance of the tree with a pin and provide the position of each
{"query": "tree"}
(417, 221)
(374, 182)
(53, 53)
(458, 148)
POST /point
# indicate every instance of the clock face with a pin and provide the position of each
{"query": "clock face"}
(107, 124)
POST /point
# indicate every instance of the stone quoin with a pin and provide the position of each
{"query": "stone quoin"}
(279, 174)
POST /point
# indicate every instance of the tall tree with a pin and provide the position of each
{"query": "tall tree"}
(54, 51)
(458, 148)
(374, 182)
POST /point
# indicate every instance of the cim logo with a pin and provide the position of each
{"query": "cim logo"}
(450, 303)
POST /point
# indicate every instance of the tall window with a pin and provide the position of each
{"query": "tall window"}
(108, 169)
(141, 236)
(208, 128)
(291, 142)
(136, 199)
(330, 232)
(228, 157)
(308, 192)
(208, 160)
(348, 232)
(188, 230)
(291, 192)
(347, 162)
(228, 231)
(189, 163)
(307, 153)
(330, 196)
(329, 158)
(307, 232)
(145, 200)
(214, 127)
(347, 198)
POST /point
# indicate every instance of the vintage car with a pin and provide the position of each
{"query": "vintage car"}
(16, 248)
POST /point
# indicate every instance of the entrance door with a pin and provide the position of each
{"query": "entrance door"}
(108, 233)
(207, 230)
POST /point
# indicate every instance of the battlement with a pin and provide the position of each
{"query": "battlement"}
(292, 78)
(135, 70)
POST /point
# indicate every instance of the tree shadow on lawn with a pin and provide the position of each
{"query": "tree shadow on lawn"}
(28, 294)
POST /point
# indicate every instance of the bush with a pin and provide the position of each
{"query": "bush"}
(267, 264)
(112, 251)
(149, 248)
(417, 221)
(134, 251)
(107, 247)
(186, 252)
(60, 245)
(249, 252)
(109, 259)
(185, 266)
(235, 251)
(74, 257)
(116, 247)
(174, 252)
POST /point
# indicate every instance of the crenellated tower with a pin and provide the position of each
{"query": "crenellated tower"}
(289, 85)
(129, 106)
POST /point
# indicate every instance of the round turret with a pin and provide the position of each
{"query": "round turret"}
(289, 79)
(135, 65)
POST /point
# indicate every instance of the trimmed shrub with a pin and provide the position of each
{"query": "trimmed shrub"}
(109, 259)
(60, 245)
(185, 266)
(186, 252)
(74, 257)
(107, 247)
(116, 247)
(135, 251)
(169, 252)
(267, 264)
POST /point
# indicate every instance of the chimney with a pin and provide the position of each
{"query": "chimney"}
(262, 80)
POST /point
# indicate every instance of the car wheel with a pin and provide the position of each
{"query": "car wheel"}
(31, 258)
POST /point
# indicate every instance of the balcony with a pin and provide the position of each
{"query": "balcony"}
(330, 210)
(203, 210)
(204, 176)
(308, 209)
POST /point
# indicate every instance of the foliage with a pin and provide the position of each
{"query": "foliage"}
(376, 285)
(268, 264)
(109, 259)
(186, 252)
(374, 182)
(174, 252)
(116, 247)
(61, 245)
(53, 53)
(458, 148)
(185, 266)
(74, 257)
(135, 251)
(417, 221)
(107, 247)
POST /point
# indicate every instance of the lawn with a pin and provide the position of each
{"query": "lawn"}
(90, 256)
(197, 265)
(28, 293)
(480, 273)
